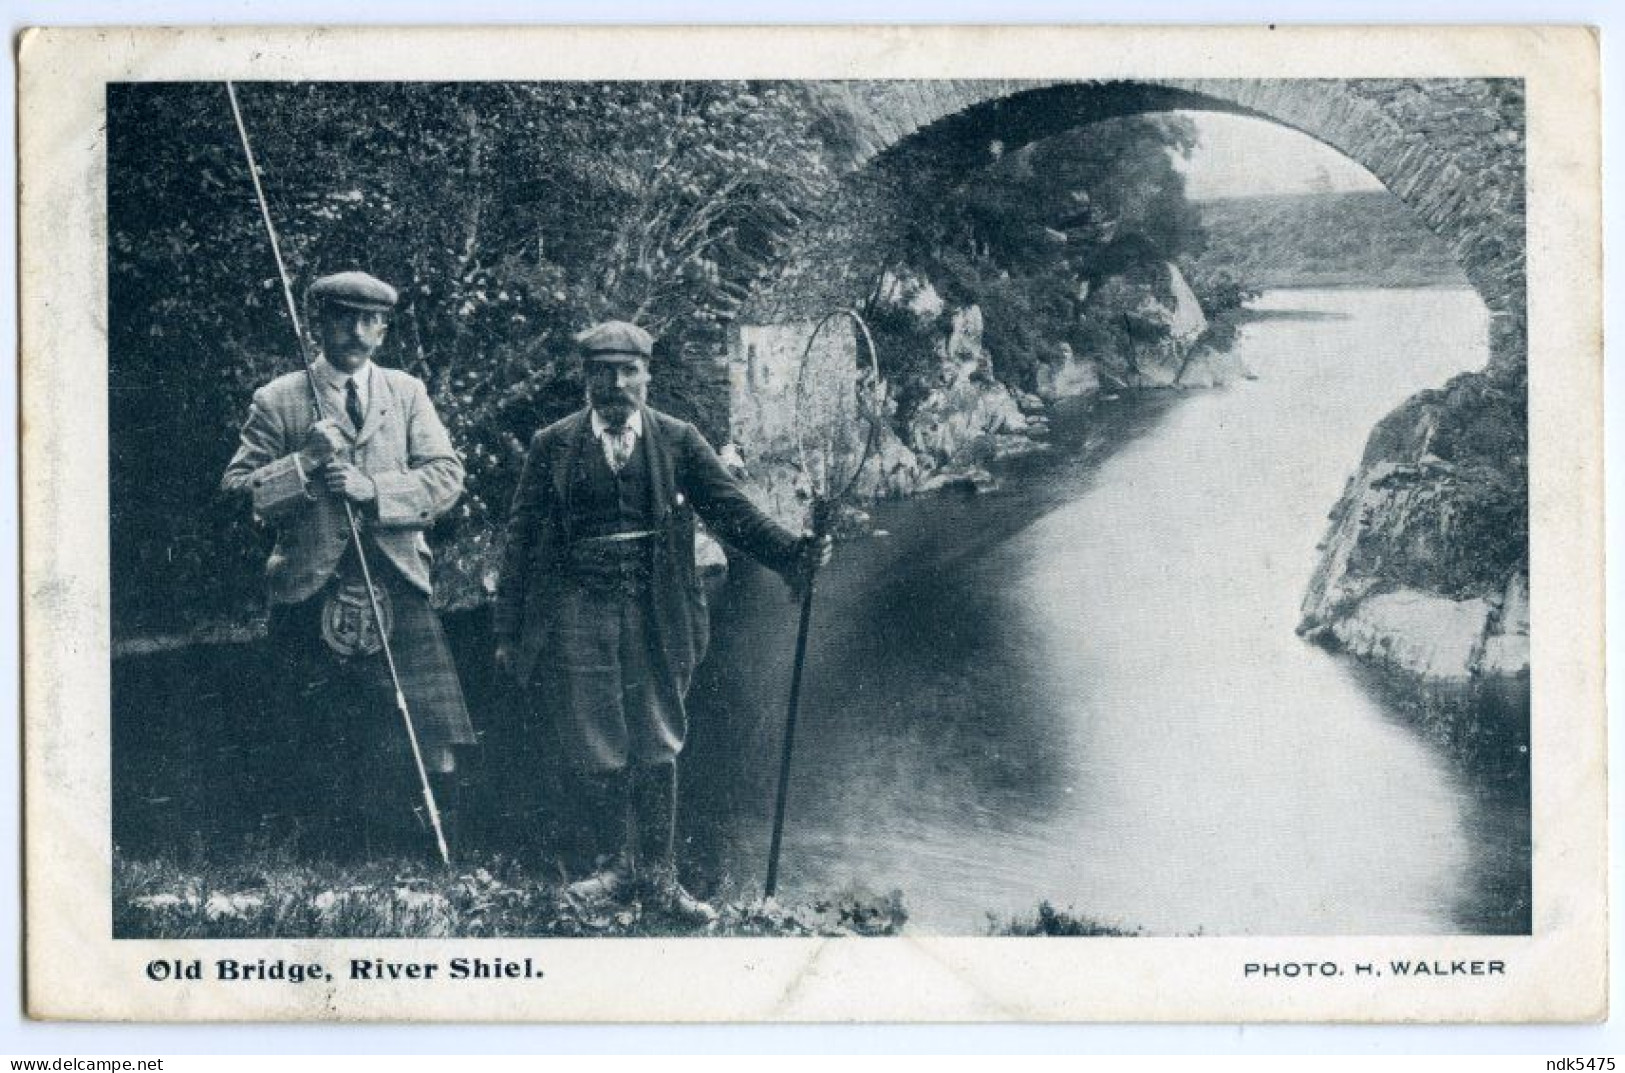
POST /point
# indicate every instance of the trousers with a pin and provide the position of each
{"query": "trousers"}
(598, 682)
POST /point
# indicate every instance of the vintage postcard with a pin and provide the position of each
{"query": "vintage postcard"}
(745, 524)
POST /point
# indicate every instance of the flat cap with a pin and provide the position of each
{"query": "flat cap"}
(615, 340)
(356, 290)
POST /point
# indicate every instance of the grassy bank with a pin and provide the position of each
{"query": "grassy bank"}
(277, 896)
(280, 897)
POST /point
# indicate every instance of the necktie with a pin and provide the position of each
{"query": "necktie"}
(352, 404)
(620, 445)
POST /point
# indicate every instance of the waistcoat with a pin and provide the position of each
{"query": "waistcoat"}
(607, 502)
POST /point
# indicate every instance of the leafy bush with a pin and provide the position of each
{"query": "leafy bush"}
(509, 215)
(1223, 298)
(906, 348)
(1027, 237)
(1051, 922)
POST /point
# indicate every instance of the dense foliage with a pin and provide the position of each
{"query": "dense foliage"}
(1350, 239)
(510, 215)
(1029, 237)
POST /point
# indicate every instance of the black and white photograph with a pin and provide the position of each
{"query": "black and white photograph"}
(1070, 511)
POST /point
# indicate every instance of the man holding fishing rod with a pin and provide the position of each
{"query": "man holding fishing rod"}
(352, 633)
(600, 612)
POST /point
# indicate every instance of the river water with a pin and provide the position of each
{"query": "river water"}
(1085, 687)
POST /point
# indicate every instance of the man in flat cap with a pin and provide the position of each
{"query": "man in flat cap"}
(380, 447)
(600, 611)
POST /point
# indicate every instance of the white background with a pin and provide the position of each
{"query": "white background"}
(20, 1037)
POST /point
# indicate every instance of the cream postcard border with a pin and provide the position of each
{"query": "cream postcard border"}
(75, 970)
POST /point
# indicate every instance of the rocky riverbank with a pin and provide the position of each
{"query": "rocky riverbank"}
(959, 417)
(1424, 568)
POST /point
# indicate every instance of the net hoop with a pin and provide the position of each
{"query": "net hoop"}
(868, 370)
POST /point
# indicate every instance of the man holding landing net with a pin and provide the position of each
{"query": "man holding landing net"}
(600, 611)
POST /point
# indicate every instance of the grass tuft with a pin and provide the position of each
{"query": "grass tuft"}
(272, 895)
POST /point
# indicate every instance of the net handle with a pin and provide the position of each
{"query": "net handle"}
(871, 441)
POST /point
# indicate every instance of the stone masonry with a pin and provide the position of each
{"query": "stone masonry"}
(1452, 150)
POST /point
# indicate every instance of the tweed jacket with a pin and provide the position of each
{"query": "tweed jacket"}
(401, 445)
(686, 478)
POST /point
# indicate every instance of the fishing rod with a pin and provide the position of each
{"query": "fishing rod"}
(349, 512)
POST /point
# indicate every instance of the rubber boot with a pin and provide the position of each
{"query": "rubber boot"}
(608, 802)
(654, 804)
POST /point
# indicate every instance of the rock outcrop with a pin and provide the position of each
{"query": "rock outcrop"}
(963, 415)
(967, 418)
(1424, 568)
(906, 289)
(967, 415)
(1066, 377)
(893, 469)
(1154, 326)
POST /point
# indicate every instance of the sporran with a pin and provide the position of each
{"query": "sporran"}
(349, 627)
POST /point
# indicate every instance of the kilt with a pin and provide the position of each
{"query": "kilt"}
(348, 705)
(597, 679)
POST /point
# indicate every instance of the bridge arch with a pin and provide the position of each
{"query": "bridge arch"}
(1451, 150)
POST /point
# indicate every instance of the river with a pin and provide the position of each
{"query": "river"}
(1085, 687)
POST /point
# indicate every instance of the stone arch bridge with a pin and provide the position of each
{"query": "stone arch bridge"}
(1452, 150)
